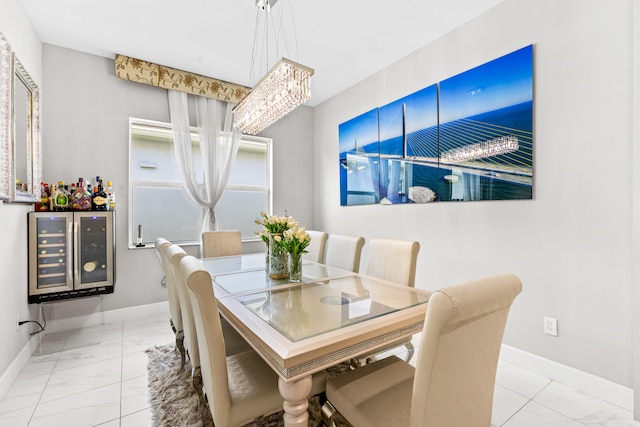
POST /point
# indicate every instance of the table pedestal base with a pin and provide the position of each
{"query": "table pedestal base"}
(296, 401)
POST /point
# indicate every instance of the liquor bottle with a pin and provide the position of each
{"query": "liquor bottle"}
(51, 191)
(60, 198)
(81, 199)
(112, 196)
(43, 206)
(100, 200)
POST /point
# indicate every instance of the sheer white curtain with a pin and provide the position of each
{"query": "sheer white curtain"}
(218, 148)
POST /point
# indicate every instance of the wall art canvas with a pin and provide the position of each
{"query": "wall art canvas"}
(359, 156)
(409, 148)
(466, 138)
(486, 139)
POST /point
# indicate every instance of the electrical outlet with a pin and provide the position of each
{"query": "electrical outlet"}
(551, 326)
(17, 321)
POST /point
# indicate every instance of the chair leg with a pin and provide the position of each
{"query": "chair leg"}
(410, 351)
(327, 412)
(196, 379)
(180, 345)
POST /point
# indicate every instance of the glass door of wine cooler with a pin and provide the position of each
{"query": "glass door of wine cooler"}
(50, 253)
(94, 249)
(71, 255)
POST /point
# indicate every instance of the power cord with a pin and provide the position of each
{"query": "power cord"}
(37, 323)
(163, 282)
(33, 321)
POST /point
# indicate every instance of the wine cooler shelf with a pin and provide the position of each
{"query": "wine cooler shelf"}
(71, 255)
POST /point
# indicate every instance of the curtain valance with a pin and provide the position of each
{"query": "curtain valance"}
(137, 70)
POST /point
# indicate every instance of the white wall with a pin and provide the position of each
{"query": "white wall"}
(635, 177)
(85, 132)
(85, 117)
(16, 27)
(571, 245)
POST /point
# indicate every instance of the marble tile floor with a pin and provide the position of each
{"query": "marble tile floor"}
(97, 376)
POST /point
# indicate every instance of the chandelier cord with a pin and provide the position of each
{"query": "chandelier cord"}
(295, 31)
(253, 50)
(260, 52)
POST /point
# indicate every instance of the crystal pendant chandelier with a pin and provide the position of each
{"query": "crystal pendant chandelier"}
(281, 90)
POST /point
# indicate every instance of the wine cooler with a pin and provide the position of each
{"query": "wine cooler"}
(71, 255)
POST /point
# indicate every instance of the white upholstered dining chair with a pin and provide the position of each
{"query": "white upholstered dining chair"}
(316, 248)
(344, 251)
(393, 260)
(234, 343)
(454, 378)
(240, 387)
(221, 243)
(162, 245)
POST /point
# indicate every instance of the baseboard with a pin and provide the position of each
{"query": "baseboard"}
(70, 323)
(110, 316)
(593, 385)
(133, 313)
(16, 366)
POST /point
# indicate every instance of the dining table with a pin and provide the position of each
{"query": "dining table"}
(301, 328)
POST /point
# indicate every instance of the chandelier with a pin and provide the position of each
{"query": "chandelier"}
(481, 150)
(280, 91)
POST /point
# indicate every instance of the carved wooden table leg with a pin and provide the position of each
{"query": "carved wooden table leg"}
(296, 401)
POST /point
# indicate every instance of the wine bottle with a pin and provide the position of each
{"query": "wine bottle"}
(100, 200)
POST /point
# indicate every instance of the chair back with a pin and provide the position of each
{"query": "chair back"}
(344, 251)
(175, 253)
(213, 361)
(316, 248)
(221, 243)
(162, 246)
(458, 357)
(393, 260)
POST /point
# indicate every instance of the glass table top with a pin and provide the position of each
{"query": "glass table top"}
(252, 280)
(231, 264)
(309, 309)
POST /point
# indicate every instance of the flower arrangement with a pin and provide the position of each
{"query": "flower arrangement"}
(295, 240)
(274, 224)
(286, 242)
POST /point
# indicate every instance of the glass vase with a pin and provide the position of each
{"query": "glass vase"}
(278, 264)
(295, 268)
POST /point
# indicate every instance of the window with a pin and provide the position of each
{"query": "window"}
(158, 202)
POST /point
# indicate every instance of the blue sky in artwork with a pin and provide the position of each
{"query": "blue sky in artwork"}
(422, 113)
(503, 82)
(363, 129)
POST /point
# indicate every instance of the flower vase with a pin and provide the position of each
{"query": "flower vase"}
(278, 265)
(295, 268)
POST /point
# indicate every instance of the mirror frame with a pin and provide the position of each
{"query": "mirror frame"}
(6, 71)
(12, 72)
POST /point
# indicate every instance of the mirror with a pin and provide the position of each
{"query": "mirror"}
(20, 162)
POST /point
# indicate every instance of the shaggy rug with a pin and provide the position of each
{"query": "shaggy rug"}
(175, 403)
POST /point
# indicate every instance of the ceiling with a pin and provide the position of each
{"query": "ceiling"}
(345, 41)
